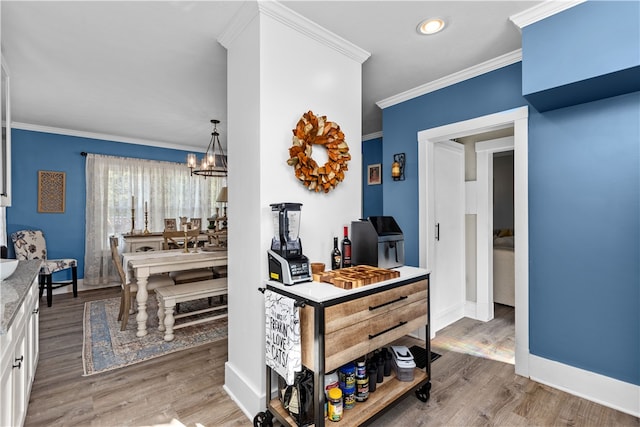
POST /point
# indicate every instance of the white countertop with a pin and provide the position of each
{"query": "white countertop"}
(323, 292)
(14, 289)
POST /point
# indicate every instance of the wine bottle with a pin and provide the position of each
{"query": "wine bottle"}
(346, 249)
(336, 257)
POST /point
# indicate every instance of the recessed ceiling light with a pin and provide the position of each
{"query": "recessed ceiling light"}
(430, 26)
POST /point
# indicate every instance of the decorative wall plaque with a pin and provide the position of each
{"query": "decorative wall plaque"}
(51, 191)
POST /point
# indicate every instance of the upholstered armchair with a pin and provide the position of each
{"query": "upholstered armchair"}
(31, 244)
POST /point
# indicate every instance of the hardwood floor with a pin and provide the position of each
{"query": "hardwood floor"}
(474, 384)
(185, 388)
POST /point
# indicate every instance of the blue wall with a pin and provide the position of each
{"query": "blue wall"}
(585, 53)
(490, 93)
(372, 194)
(34, 151)
(584, 213)
(584, 242)
(589, 40)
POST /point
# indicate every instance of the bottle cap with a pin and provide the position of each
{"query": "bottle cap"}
(335, 393)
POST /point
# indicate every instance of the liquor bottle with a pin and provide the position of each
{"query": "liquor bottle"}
(336, 257)
(346, 249)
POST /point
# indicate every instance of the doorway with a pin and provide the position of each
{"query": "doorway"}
(427, 140)
(484, 231)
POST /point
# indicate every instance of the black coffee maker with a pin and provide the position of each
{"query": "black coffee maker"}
(287, 264)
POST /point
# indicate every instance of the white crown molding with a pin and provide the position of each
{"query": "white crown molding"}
(522, 19)
(371, 136)
(238, 23)
(288, 17)
(312, 30)
(102, 137)
(542, 11)
(451, 79)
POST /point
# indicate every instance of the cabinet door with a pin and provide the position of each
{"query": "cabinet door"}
(20, 386)
(6, 391)
(19, 359)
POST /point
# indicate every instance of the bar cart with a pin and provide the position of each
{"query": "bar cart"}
(338, 326)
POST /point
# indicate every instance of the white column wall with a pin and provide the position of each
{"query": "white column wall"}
(275, 74)
(243, 381)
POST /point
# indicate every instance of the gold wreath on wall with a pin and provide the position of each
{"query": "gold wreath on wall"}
(312, 130)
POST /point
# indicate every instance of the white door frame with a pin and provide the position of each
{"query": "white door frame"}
(484, 229)
(518, 118)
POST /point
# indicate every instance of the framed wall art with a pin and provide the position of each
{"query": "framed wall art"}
(51, 191)
(374, 175)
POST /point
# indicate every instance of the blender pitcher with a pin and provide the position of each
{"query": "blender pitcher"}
(286, 229)
(287, 264)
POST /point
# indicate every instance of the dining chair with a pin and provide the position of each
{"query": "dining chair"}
(176, 239)
(31, 244)
(170, 224)
(129, 290)
(196, 224)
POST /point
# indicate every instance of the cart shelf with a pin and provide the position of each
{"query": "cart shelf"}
(386, 393)
(339, 325)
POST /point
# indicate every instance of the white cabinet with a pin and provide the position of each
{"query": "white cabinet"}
(5, 143)
(18, 360)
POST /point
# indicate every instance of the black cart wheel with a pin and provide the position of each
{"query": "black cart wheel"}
(263, 419)
(423, 393)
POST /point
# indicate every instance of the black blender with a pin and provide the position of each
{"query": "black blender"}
(286, 262)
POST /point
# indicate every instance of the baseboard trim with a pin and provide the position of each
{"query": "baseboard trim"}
(616, 394)
(249, 401)
(446, 317)
(471, 310)
(81, 287)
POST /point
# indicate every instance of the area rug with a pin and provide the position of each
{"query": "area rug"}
(106, 348)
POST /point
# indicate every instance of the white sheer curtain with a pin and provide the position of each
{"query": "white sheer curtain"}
(116, 184)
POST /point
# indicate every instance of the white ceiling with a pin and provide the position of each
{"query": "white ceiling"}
(154, 71)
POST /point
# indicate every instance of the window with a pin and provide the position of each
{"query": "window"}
(116, 185)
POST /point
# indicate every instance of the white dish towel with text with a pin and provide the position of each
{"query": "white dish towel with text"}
(282, 351)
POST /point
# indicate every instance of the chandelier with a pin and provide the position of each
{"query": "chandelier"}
(214, 162)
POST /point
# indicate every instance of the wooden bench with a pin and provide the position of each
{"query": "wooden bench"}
(195, 275)
(169, 296)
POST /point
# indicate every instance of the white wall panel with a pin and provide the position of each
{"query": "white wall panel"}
(276, 72)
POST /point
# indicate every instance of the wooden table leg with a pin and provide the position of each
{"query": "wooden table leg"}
(141, 298)
(169, 320)
(160, 312)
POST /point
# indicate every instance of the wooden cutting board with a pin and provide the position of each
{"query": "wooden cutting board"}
(355, 277)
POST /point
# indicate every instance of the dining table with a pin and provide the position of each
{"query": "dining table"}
(143, 264)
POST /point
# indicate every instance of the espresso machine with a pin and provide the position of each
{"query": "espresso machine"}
(287, 264)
